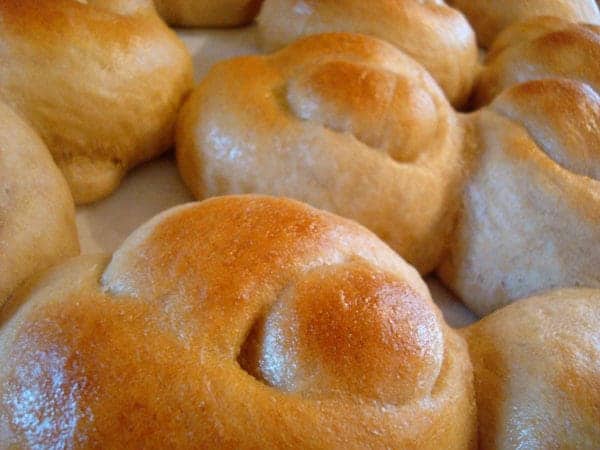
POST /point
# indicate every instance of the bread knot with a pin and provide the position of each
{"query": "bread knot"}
(364, 127)
(239, 322)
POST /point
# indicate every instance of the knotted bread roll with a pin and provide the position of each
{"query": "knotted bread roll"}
(239, 322)
(100, 80)
(530, 219)
(37, 215)
(543, 47)
(490, 17)
(344, 122)
(208, 13)
(435, 35)
(537, 372)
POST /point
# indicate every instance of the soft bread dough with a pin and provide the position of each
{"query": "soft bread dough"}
(208, 13)
(490, 17)
(239, 322)
(537, 372)
(100, 81)
(435, 35)
(37, 215)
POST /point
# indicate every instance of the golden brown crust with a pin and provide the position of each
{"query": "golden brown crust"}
(537, 374)
(100, 81)
(436, 36)
(208, 13)
(490, 17)
(147, 351)
(543, 47)
(37, 215)
(344, 122)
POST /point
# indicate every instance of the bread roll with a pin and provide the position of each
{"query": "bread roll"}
(544, 47)
(344, 122)
(530, 217)
(437, 36)
(239, 322)
(100, 81)
(208, 13)
(37, 215)
(490, 17)
(537, 372)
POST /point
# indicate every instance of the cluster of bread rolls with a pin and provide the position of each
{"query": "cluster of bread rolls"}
(503, 200)
(258, 321)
